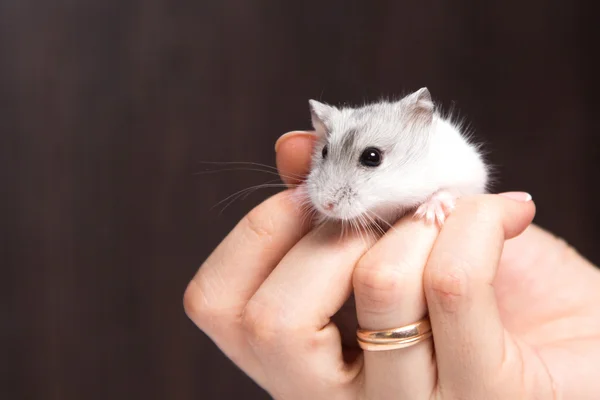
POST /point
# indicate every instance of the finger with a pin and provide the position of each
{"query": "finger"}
(293, 155)
(288, 319)
(388, 286)
(468, 332)
(218, 293)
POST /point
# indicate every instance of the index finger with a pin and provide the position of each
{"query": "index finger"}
(293, 155)
(217, 295)
(259, 241)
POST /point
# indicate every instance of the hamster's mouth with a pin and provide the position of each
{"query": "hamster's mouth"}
(345, 211)
(359, 225)
(340, 214)
(354, 218)
(364, 218)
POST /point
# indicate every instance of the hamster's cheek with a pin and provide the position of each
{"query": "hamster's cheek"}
(311, 189)
(375, 192)
(366, 198)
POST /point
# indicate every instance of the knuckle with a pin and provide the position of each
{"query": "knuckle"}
(197, 306)
(447, 282)
(482, 209)
(260, 325)
(204, 302)
(258, 223)
(378, 287)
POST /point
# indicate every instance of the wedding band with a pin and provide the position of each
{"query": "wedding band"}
(386, 335)
(399, 344)
(396, 338)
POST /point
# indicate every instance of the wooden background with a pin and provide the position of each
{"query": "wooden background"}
(108, 107)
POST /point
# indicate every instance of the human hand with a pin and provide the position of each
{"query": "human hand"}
(501, 329)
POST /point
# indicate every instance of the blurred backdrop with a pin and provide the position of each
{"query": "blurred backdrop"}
(108, 107)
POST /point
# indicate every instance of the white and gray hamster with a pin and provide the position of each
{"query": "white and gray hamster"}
(379, 161)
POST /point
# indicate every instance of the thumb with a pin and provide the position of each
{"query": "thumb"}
(467, 329)
(293, 152)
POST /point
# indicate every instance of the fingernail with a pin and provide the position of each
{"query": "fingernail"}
(288, 135)
(518, 196)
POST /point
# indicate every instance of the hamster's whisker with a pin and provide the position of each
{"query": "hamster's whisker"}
(349, 225)
(250, 163)
(365, 231)
(354, 226)
(376, 223)
(236, 196)
(307, 212)
(371, 226)
(233, 197)
(214, 171)
(361, 230)
(377, 229)
(306, 207)
(237, 163)
(319, 226)
(382, 220)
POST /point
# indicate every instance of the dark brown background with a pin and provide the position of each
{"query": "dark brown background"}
(107, 107)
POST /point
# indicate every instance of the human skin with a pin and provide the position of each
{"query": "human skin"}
(514, 309)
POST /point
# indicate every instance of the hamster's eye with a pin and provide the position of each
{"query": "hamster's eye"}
(371, 157)
(324, 152)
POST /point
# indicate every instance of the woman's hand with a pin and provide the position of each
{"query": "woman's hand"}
(510, 320)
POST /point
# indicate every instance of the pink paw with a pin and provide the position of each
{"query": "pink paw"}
(437, 208)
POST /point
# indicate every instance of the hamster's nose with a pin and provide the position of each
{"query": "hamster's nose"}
(328, 206)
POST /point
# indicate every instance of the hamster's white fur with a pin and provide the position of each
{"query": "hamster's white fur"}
(426, 162)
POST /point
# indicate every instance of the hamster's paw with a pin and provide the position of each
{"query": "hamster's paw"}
(437, 208)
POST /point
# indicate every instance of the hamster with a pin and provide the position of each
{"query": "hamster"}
(378, 162)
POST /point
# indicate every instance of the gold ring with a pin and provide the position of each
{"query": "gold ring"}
(396, 338)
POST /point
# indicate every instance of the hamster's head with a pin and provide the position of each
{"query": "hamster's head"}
(368, 161)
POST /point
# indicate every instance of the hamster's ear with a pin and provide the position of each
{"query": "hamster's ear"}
(418, 106)
(321, 116)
